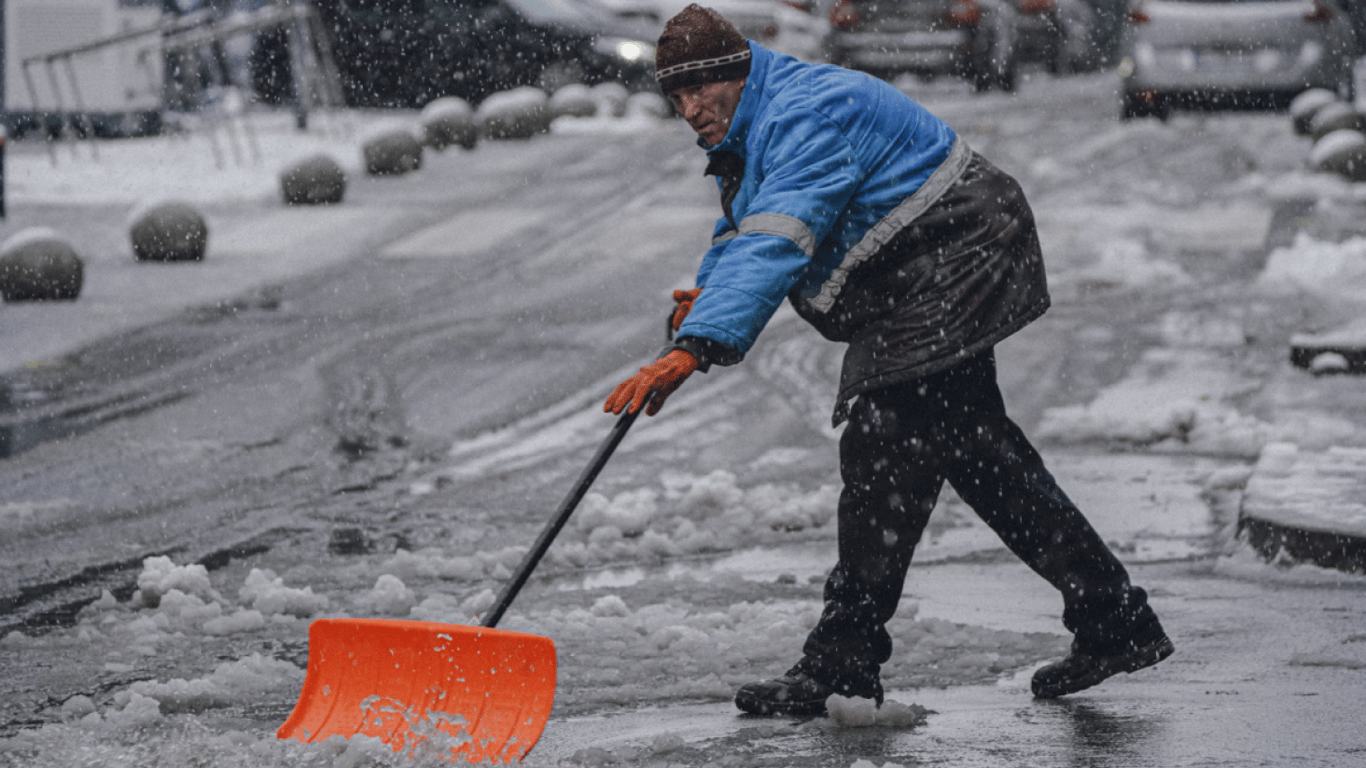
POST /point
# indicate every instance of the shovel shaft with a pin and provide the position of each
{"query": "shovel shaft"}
(561, 516)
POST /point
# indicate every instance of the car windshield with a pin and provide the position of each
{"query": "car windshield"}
(536, 10)
(383, 7)
(552, 10)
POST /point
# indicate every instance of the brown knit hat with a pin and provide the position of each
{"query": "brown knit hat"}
(699, 46)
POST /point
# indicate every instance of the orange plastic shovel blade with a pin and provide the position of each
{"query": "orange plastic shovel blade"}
(426, 688)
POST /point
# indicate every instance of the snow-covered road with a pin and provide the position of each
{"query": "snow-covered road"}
(1154, 384)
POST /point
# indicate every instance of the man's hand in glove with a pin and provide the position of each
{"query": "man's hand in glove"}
(684, 300)
(661, 378)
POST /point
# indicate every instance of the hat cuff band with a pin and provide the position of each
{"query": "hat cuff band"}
(732, 71)
(719, 61)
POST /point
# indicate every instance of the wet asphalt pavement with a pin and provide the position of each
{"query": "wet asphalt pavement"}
(267, 421)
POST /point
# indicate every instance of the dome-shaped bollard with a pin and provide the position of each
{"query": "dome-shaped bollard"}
(574, 100)
(449, 121)
(314, 180)
(1336, 116)
(1341, 152)
(516, 114)
(167, 232)
(1307, 104)
(611, 98)
(37, 264)
(392, 152)
(647, 104)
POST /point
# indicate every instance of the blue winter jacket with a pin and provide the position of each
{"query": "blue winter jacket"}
(872, 216)
(828, 154)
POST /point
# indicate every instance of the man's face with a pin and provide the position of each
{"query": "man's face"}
(709, 107)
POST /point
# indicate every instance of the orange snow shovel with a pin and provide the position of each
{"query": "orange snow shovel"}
(448, 690)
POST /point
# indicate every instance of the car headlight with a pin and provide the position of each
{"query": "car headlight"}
(1145, 55)
(625, 49)
(1311, 53)
(1266, 60)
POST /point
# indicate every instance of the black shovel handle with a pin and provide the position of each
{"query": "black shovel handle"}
(561, 516)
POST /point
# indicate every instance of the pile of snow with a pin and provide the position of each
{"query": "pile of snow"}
(161, 576)
(1172, 400)
(649, 645)
(231, 683)
(847, 712)
(236, 161)
(206, 166)
(705, 514)
(1123, 264)
(1309, 491)
(1313, 266)
(266, 593)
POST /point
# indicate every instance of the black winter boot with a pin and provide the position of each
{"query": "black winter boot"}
(1081, 670)
(795, 693)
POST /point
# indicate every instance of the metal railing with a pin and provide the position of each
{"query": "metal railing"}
(313, 69)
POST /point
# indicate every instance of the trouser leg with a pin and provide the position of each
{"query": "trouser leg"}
(1001, 476)
(901, 443)
(891, 483)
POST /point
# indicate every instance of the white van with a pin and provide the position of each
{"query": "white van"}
(114, 89)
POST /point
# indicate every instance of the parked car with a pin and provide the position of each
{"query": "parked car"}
(405, 53)
(786, 27)
(1063, 35)
(1214, 54)
(974, 39)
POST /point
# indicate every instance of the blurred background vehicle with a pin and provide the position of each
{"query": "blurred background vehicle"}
(974, 39)
(788, 27)
(1062, 35)
(121, 86)
(1233, 54)
(405, 53)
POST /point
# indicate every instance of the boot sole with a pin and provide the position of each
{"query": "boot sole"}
(1145, 658)
(757, 706)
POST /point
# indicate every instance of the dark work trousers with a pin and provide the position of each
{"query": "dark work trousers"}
(900, 445)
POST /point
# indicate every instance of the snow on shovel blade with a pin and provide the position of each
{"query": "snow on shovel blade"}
(422, 687)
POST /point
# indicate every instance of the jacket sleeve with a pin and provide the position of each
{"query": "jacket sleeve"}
(806, 173)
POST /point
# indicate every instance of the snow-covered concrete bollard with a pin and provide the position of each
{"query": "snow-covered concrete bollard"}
(516, 114)
(392, 151)
(1340, 350)
(1307, 104)
(37, 264)
(314, 180)
(648, 104)
(448, 121)
(168, 231)
(1336, 116)
(611, 99)
(1342, 152)
(572, 101)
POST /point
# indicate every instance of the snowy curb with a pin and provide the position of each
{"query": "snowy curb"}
(1307, 507)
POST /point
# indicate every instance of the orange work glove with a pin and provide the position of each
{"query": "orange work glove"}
(659, 378)
(685, 300)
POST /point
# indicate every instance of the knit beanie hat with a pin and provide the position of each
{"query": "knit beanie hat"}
(699, 46)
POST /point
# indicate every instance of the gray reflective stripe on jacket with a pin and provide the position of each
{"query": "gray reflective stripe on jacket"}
(909, 210)
(779, 224)
(898, 218)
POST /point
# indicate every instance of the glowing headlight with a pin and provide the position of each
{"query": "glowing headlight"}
(1145, 55)
(1266, 60)
(625, 49)
(1311, 53)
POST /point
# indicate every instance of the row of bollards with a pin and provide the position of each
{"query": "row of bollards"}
(1338, 132)
(1336, 128)
(39, 264)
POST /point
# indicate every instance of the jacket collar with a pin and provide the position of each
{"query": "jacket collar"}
(748, 106)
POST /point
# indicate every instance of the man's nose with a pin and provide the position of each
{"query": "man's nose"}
(688, 106)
